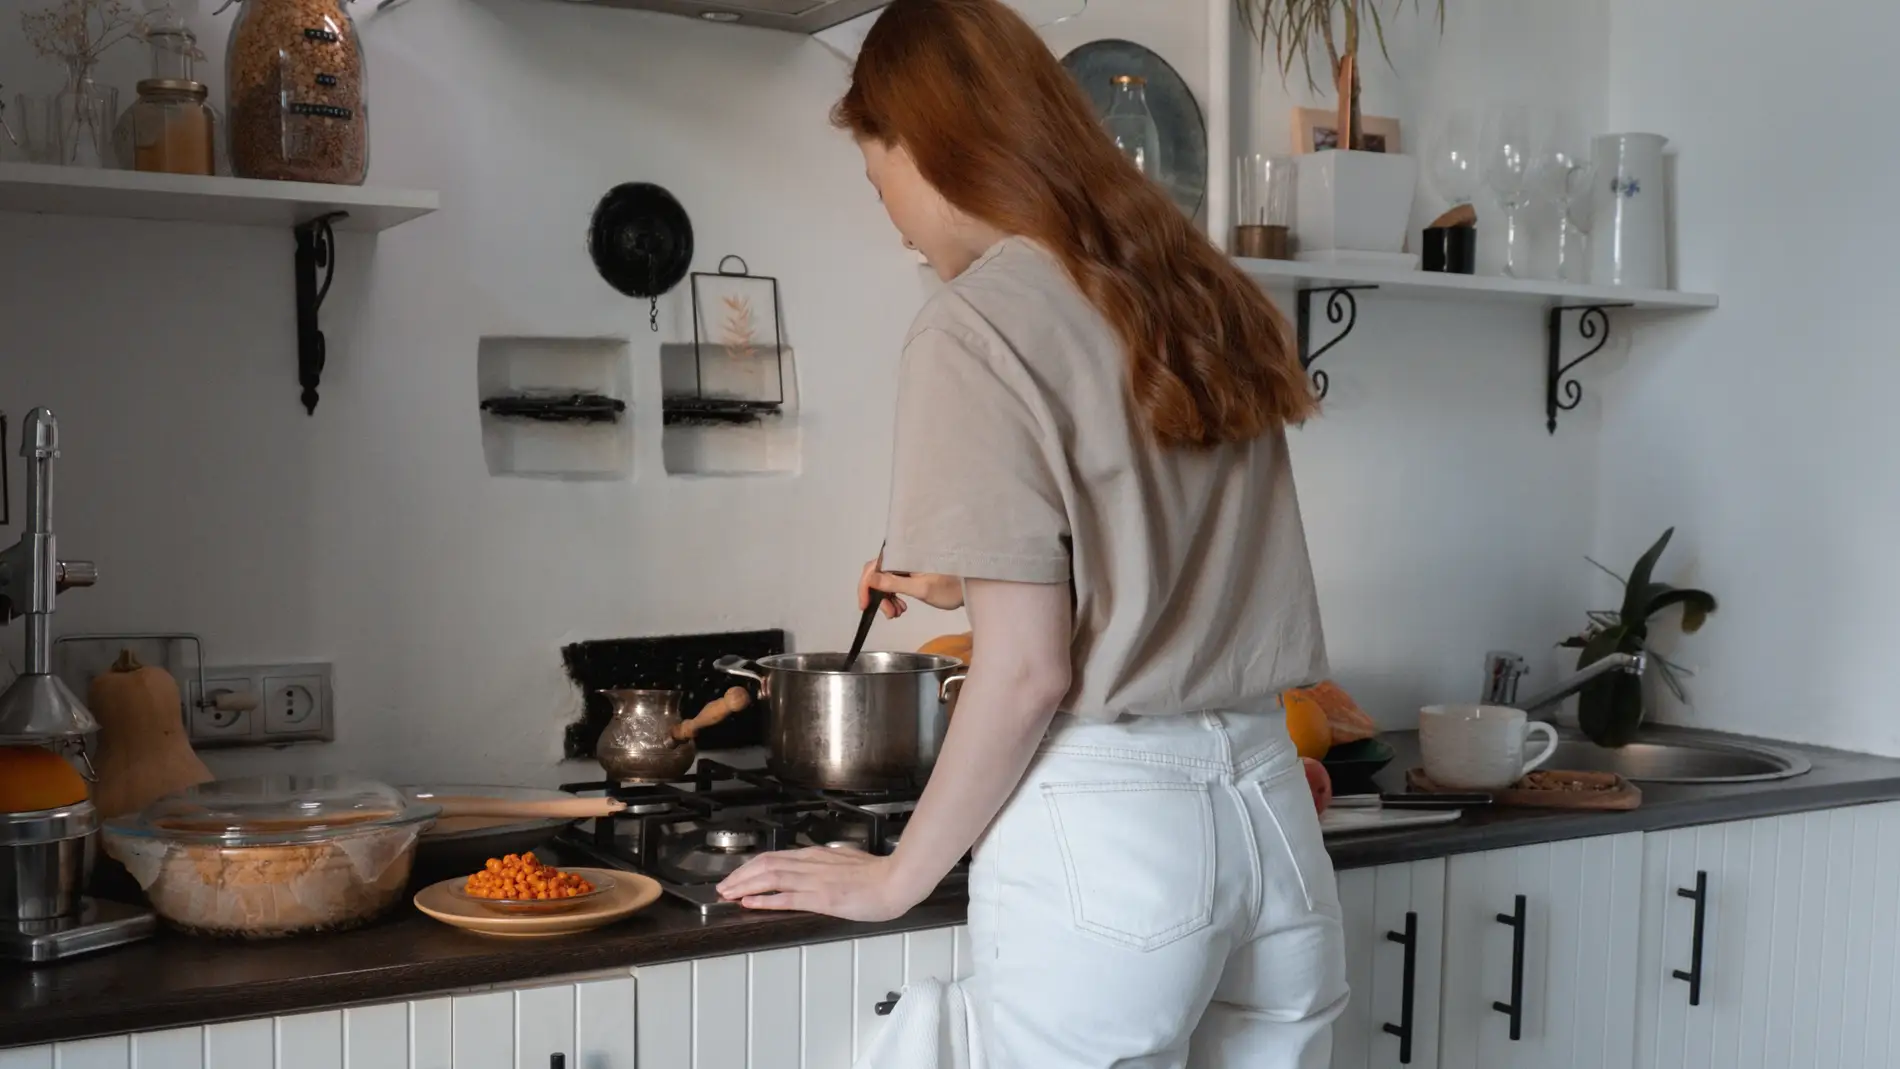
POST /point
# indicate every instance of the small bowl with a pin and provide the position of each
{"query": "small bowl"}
(603, 886)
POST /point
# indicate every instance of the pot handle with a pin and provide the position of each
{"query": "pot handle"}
(951, 687)
(735, 665)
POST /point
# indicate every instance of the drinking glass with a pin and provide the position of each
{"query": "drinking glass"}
(1264, 186)
(1455, 168)
(1562, 174)
(1508, 155)
(38, 126)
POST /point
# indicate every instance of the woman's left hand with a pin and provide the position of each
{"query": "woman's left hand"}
(848, 884)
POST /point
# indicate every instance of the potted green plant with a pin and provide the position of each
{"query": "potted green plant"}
(1611, 710)
(1349, 200)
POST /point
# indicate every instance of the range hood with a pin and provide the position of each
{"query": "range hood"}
(791, 16)
(839, 24)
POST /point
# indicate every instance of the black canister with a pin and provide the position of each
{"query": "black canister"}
(1451, 249)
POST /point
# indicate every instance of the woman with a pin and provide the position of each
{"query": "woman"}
(1090, 454)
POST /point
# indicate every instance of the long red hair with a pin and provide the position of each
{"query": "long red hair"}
(970, 91)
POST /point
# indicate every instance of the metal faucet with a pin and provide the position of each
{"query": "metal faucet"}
(39, 709)
(1503, 669)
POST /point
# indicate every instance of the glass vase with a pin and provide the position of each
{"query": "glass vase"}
(84, 114)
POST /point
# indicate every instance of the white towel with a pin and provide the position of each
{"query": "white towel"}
(932, 1027)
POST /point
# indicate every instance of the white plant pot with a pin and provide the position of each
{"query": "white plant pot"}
(1354, 201)
(1629, 209)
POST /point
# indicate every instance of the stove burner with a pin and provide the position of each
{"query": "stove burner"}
(692, 832)
(731, 840)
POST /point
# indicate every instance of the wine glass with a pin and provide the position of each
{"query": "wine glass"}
(1456, 170)
(1563, 173)
(1508, 155)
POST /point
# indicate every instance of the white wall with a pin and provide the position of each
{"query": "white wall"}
(1443, 520)
(1764, 432)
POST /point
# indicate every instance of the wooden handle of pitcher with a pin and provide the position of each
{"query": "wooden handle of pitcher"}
(716, 710)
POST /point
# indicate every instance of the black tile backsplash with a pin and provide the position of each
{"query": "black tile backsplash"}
(673, 662)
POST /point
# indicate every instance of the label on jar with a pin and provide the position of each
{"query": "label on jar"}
(317, 34)
(326, 80)
(322, 111)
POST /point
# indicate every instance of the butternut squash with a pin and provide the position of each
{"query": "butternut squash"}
(143, 751)
(32, 778)
(957, 646)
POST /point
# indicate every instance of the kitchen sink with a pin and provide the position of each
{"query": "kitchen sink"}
(1680, 759)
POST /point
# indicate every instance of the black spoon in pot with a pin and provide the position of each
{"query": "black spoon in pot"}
(871, 607)
(864, 627)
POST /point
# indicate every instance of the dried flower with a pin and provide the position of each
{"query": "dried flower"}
(78, 32)
(737, 333)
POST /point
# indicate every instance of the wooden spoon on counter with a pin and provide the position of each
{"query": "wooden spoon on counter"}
(549, 809)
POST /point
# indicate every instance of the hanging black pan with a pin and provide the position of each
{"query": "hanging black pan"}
(641, 242)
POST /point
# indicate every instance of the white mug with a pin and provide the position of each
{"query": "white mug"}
(1479, 747)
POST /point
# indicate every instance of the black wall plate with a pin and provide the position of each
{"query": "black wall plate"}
(674, 662)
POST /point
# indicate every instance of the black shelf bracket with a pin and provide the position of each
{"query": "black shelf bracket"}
(1341, 307)
(315, 266)
(1562, 394)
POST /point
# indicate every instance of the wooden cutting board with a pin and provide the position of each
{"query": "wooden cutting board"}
(1551, 789)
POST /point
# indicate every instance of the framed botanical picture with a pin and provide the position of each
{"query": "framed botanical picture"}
(1317, 129)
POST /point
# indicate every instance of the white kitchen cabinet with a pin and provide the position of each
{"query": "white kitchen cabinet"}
(1394, 918)
(310, 1041)
(376, 1037)
(111, 1052)
(663, 1002)
(1540, 949)
(482, 1030)
(719, 1013)
(604, 1036)
(1800, 943)
(544, 1025)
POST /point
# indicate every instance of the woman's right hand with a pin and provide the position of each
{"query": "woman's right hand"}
(936, 591)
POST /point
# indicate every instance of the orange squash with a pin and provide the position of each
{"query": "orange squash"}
(1306, 722)
(32, 778)
(957, 646)
(143, 751)
(1349, 722)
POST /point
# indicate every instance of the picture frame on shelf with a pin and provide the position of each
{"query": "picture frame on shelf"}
(1317, 130)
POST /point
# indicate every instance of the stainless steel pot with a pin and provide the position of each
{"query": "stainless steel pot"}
(45, 856)
(877, 726)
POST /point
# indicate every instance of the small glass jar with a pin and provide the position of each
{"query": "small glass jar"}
(170, 129)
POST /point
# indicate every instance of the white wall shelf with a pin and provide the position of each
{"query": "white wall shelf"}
(1590, 305)
(49, 190)
(311, 212)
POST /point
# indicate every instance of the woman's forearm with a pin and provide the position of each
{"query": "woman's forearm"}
(1020, 672)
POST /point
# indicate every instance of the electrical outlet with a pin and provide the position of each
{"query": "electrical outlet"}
(212, 725)
(265, 705)
(293, 705)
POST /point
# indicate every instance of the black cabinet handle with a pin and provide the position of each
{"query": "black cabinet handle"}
(1409, 940)
(1514, 1009)
(557, 1061)
(1700, 896)
(883, 1009)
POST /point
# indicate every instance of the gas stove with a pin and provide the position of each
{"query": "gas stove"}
(693, 832)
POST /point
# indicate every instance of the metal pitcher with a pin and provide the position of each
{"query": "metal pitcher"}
(648, 742)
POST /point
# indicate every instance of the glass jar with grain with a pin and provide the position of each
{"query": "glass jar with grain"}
(294, 76)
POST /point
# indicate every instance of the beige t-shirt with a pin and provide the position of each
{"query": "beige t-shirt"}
(1020, 457)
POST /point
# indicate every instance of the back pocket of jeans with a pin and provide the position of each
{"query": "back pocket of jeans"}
(1139, 858)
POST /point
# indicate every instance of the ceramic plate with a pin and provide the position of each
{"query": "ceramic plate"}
(1177, 116)
(630, 894)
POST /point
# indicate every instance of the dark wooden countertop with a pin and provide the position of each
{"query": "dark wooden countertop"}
(174, 980)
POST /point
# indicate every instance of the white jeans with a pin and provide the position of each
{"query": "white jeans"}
(1155, 895)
